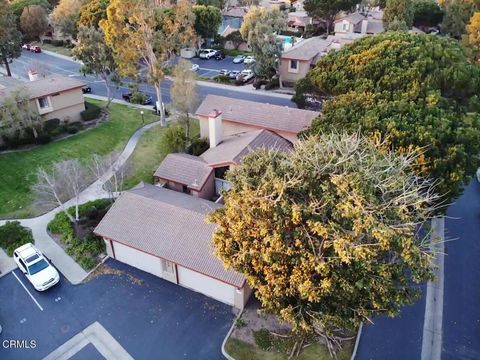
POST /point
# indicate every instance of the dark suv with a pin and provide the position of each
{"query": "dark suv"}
(220, 55)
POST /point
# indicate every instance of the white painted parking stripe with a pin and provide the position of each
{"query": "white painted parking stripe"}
(35, 300)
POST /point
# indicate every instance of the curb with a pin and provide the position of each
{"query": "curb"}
(91, 271)
(357, 342)
(227, 356)
(60, 56)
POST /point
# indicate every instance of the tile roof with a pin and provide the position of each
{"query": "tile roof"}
(375, 27)
(233, 148)
(38, 88)
(51, 85)
(266, 116)
(307, 49)
(353, 18)
(185, 169)
(170, 225)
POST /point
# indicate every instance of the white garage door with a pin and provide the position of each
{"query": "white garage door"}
(138, 259)
(206, 285)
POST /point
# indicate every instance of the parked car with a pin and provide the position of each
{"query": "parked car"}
(233, 74)
(249, 60)
(238, 59)
(246, 75)
(86, 89)
(224, 72)
(35, 49)
(36, 267)
(220, 55)
(128, 96)
(207, 54)
(195, 67)
(26, 46)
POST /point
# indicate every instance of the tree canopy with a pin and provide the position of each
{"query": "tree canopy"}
(327, 234)
(427, 13)
(417, 91)
(19, 5)
(398, 14)
(34, 21)
(65, 16)
(93, 12)
(10, 37)
(207, 20)
(473, 39)
(457, 15)
(260, 29)
(326, 10)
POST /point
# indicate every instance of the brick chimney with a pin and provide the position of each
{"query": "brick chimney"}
(215, 129)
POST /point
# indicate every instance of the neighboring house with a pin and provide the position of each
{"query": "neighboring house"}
(53, 96)
(360, 24)
(164, 232)
(239, 116)
(297, 61)
(299, 20)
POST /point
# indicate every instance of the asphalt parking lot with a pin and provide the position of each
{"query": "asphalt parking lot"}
(211, 68)
(140, 314)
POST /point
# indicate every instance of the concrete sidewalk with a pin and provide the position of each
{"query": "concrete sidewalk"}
(63, 262)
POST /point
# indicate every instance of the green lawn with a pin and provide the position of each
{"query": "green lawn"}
(62, 50)
(240, 350)
(149, 153)
(17, 170)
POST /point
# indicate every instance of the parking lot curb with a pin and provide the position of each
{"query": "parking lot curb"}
(357, 342)
(227, 356)
(95, 268)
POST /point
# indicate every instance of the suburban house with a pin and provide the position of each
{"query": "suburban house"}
(239, 116)
(299, 20)
(53, 96)
(297, 61)
(358, 24)
(161, 228)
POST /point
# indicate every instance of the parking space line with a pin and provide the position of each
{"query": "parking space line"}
(29, 293)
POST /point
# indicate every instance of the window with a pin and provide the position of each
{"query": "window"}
(293, 66)
(43, 103)
(345, 26)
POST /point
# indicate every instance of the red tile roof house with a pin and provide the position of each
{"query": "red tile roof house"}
(162, 229)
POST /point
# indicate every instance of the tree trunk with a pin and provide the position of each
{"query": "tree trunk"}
(35, 132)
(160, 108)
(187, 128)
(7, 65)
(109, 91)
(77, 217)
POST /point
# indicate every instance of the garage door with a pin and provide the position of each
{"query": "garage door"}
(206, 285)
(138, 259)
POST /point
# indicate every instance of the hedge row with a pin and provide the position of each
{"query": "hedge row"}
(14, 235)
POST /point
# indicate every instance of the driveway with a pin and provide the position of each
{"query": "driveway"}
(131, 311)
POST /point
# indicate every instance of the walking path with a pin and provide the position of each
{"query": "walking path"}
(67, 266)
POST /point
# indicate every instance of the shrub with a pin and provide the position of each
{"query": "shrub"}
(43, 139)
(14, 235)
(239, 81)
(222, 79)
(240, 323)
(50, 125)
(263, 339)
(90, 208)
(138, 97)
(198, 146)
(86, 262)
(258, 83)
(91, 112)
(58, 43)
(274, 83)
(175, 139)
(61, 225)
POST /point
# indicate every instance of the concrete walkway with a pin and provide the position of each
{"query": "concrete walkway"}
(64, 263)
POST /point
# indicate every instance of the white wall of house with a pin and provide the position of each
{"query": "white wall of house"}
(206, 285)
(138, 259)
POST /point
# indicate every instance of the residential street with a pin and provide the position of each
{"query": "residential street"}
(401, 338)
(56, 65)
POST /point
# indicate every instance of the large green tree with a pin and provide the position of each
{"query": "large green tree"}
(327, 235)
(139, 30)
(10, 37)
(457, 15)
(207, 21)
(97, 58)
(398, 14)
(327, 10)
(19, 5)
(260, 29)
(416, 91)
(65, 16)
(34, 21)
(427, 13)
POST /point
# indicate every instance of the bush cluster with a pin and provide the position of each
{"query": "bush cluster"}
(91, 112)
(14, 235)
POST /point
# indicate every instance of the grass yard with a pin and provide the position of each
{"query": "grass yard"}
(241, 350)
(62, 50)
(149, 153)
(17, 170)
